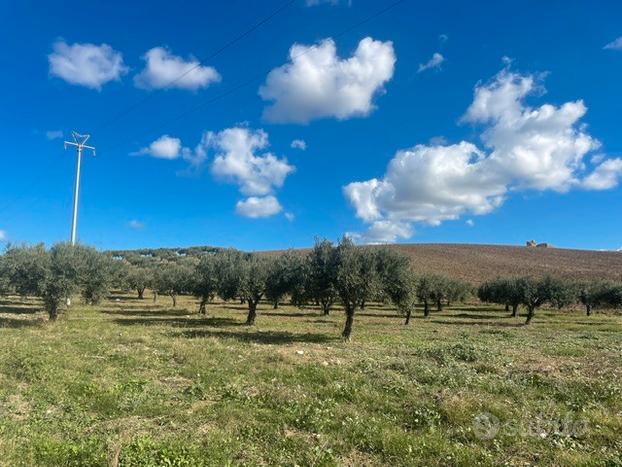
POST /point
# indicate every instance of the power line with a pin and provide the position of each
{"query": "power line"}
(201, 62)
(253, 78)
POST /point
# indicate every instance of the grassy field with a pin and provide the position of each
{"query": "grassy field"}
(133, 383)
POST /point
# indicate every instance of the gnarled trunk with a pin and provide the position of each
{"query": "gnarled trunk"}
(347, 330)
(408, 313)
(155, 296)
(203, 306)
(439, 305)
(53, 312)
(507, 307)
(588, 310)
(326, 304)
(530, 313)
(174, 298)
(514, 311)
(141, 293)
(426, 309)
(252, 312)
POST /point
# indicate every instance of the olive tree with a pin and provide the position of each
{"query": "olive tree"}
(227, 269)
(281, 276)
(64, 265)
(172, 279)
(205, 282)
(322, 274)
(96, 274)
(138, 279)
(353, 280)
(253, 271)
(430, 289)
(535, 292)
(503, 291)
(26, 269)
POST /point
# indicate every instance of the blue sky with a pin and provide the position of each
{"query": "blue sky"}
(478, 122)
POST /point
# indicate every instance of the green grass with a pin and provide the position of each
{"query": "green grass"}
(137, 384)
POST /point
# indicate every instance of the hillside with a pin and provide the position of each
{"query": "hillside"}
(476, 263)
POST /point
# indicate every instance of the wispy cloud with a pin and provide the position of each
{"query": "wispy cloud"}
(435, 62)
(54, 134)
(136, 224)
(299, 144)
(614, 45)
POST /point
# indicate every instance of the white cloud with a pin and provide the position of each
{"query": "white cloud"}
(299, 144)
(434, 62)
(541, 148)
(54, 134)
(470, 222)
(289, 216)
(165, 147)
(442, 38)
(136, 224)
(614, 45)
(3, 236)
(316, 83)
(164, 70)
(86, 65)
(605, 176)
(255, 207)
(237, 159)
(383, 231)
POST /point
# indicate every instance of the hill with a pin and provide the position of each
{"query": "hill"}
(477, 263)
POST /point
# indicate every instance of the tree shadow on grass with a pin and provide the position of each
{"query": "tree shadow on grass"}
(259, 337)
(178, 322)
(19, 310)
(19, 323)
(478, 316)
(517, 324)
(378, 315)
(166, 312)
(301, 314)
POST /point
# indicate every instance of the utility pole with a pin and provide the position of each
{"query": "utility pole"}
(79, 141)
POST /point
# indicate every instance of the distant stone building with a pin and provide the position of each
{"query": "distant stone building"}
(543, 245)
(532, 243)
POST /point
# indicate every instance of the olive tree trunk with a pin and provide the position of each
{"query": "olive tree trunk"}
(347, 330)
(408, 313)
(426, 309)
(530, 313)
(252, 312)
(514, 311)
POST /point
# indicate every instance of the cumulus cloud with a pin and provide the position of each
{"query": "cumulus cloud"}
(299, 144)
(86, 65)
(614, 45)
(165, 147)
(434, 62)
(255, 207)
(525, 148)
(316, 83)
(135, 224)
(237, 159)
(605, 176)
(164, 70)
(3, 236)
